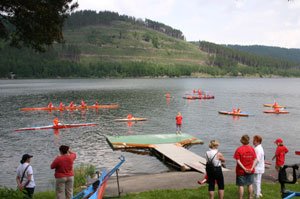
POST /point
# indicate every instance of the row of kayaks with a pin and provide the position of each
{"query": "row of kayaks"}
(63, 108)
(245, 114)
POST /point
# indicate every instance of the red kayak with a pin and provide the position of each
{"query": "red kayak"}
(276, 112)
(192, 97)
(60, 126)
(242, 114)
(297, 152)
(100, 106)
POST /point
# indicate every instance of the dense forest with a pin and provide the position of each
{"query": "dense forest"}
(88, 17)
(106, 44)
(291, 54)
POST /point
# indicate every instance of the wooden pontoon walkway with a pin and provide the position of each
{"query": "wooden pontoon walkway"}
(168, 147)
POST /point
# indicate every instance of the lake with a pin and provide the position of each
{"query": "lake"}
(142, 98)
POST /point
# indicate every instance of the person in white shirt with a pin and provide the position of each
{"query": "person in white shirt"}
(25, 180)
(260, 166)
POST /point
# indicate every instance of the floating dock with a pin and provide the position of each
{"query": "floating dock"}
(170, 148)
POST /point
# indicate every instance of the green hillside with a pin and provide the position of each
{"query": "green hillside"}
(125, 42)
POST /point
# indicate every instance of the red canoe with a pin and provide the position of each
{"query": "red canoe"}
(60, 126)
(276, 112)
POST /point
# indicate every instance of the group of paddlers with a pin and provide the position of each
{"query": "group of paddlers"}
(71, 105)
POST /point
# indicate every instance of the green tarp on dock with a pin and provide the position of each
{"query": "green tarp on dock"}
(150, 139)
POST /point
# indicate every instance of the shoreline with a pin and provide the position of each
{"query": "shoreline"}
(170, 180)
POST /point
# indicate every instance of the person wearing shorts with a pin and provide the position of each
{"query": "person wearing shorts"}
(245, 163)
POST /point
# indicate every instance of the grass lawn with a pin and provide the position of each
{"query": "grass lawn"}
(270, 191)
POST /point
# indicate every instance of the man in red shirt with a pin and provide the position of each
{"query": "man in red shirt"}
(64, 175)
(178, 123)
(245, 163)
(281, 150)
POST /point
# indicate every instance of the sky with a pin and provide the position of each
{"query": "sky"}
(242, 22)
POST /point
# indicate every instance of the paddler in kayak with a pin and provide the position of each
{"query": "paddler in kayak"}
(56, 122)
(234, 111)
(129, 116)
(71, 105)
(50, 105)
(61, 106)
(83, 104)
(238, 111)
(275, 105)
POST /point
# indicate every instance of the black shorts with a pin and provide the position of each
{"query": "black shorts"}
(218, 178)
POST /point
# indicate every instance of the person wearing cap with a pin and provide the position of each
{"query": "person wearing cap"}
(25, 180)
(217, 159)
(64, 174)
(260, 166)
(281, 150)
(245, 163)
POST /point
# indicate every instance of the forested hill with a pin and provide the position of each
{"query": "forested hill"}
(291, 54)
(106, 44)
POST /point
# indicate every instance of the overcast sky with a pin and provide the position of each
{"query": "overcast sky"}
(244, 22)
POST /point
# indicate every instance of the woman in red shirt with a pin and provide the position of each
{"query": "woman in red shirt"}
(64, 175)
(178, 123)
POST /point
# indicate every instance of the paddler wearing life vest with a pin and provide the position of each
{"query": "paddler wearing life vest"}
(55, 122)
(129, 116)
(83, 104)
(234, 110)
(178, 123)
(61, 106)
(71, 105)
(275, 104)
(50, 105)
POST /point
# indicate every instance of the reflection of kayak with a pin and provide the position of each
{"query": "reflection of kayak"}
(276, 112)
(100, 106)
(60, 126)
(134, 119)
(271, 105)
(194, 97)
(96, 190)
(242, 114)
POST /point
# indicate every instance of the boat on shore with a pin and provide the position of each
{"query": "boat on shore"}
(96, 190)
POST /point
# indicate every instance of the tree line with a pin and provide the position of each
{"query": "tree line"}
(223, 56)
(88, 17)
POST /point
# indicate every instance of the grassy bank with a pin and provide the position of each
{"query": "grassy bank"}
(269, 190)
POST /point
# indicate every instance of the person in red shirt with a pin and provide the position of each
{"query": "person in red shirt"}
(64, 175)
(281, 150)
(55, 122)
(178, 123)
(245, 163)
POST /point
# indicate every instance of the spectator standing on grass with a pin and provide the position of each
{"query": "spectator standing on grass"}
(260, 166)
(64, 175)
(245, 162)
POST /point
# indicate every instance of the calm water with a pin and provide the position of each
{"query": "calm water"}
(142, 98)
